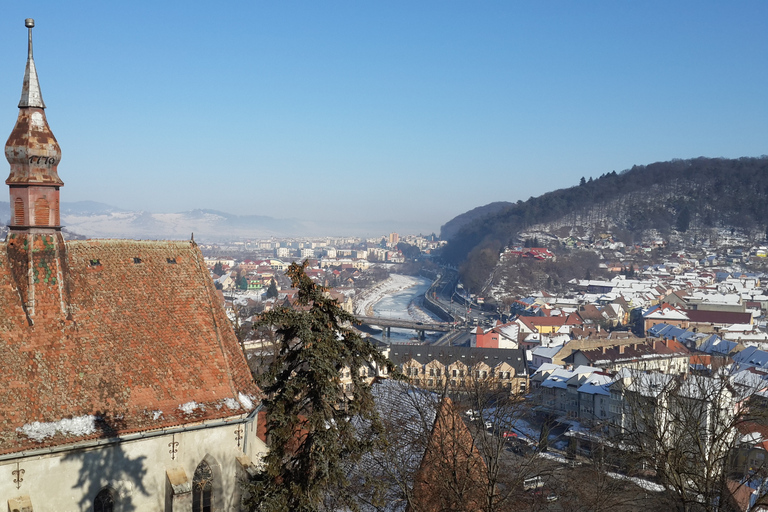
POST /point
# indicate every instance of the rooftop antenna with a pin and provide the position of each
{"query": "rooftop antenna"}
(30, 24)
(30, 92)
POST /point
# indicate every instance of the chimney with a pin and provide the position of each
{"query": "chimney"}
(621, 349)
(603, 347)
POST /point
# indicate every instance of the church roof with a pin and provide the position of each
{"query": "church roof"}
(112, 337)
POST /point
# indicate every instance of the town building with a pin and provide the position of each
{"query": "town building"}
(498, 336)
(666, 356)
(457, 368)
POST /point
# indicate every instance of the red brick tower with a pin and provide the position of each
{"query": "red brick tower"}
(36, 249)
(34, 156)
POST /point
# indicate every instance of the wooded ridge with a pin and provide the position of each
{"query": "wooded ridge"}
(663, 196)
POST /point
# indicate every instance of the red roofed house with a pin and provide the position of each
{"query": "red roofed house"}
(546, 324)
(499, 336)
(665, 356)
(123, 385)
(665, 314)
(713, 321)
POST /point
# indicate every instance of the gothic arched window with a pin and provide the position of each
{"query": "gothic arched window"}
(105, 501)
(202, 488)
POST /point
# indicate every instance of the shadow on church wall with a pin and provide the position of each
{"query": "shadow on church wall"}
(110, 467)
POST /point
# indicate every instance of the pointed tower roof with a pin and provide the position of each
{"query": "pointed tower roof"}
(31, 149)
(30, 91)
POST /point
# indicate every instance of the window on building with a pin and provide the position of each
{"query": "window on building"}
(202, 488)
(42, 212)
(18, 212)
(455, 373)
(105, 501)
(431, 372)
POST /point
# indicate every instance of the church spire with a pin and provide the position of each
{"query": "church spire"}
(30, 91)
(34, 155)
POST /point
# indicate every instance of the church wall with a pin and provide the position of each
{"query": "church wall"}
(135, 470)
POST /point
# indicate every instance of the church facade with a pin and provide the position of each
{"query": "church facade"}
(123, 385)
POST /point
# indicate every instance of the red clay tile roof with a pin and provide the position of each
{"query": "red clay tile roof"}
(718, 317)
(636, 351)
(740, 493)
(131, 332)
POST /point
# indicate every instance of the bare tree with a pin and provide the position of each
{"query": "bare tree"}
(684, 433)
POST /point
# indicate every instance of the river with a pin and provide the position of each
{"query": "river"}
(405, 305)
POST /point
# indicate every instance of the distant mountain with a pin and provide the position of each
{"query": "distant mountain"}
(98, 220)
(670, 196)
(205, 224)
(87, 208)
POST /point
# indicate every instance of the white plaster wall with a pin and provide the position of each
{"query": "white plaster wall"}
(69, 481)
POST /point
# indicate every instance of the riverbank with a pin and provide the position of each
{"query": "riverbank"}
(394, 283)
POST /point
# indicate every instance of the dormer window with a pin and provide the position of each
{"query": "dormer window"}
(95, 263)
(136, 261)
(172, 261)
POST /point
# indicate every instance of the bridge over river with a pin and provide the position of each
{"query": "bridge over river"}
(387, 323)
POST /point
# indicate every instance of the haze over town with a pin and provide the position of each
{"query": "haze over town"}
(600, 346)
(399, 113)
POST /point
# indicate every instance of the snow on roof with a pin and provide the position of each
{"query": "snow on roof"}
(714, 344)
(596, 384)
(77, 427)
(547, 352)
(752, 356)
(740, 328)
(548, 367)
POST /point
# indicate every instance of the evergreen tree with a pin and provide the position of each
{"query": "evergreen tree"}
(312, 439)
(683, 219)
(218, 269)
(242, 283)
(272, 290)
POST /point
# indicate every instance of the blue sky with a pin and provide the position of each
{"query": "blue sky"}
(402, 111)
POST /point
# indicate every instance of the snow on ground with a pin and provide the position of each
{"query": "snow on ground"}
(415, 309)
(640, 482)
(395, 282)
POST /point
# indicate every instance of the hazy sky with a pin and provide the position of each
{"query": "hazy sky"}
(390, 110)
